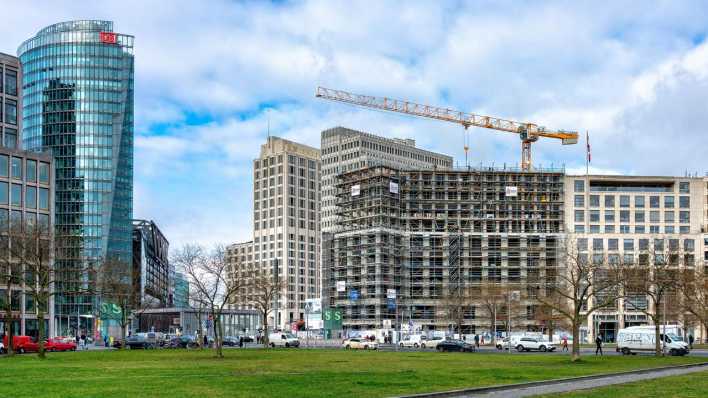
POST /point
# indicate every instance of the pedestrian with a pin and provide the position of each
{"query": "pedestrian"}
(476, 340)
(482, 339)
(690, 341)
(565, 343)
(240, 342)
(105, 340)
(83, 342)
(206, 341)
(598, 343)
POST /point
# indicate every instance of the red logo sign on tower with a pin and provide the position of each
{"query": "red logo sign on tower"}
(108, 37)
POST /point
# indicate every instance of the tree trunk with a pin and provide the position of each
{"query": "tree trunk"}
(576, 341)
(40, 335)
(218, 338)
(550, 331)
(8, 326)
(265, 329)
(657, 338)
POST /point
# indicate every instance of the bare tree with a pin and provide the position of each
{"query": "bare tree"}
(10, 277)
(585, 286)
(207, 272)
(550, 319)
(693, 290)
(265, 290)
(654, 276)
(119, 284)
(496, 307)
(454, 306)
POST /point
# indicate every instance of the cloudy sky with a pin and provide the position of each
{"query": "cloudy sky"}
(209, 75)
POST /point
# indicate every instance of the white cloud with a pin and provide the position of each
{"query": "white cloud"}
(632, 75)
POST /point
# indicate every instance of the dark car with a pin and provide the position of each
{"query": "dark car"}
(247, 339)
(230, 341)
(183, 342)
(455, 345)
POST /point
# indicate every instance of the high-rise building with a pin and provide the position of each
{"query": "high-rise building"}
(345, 150)
(286, 227)
(623, 219)
(442, 237)
(77, 100)
(26, 195)
(151, 265)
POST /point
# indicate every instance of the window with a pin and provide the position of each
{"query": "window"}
(669, 216)
(684, 202)
(628, 244)
(10, 111)
(689, 245)
(684, 217)
(684, 187)
(669, 202)
(609, 201)
(659, 244)
(10, 140)
(10, 82)
(580, 229)
(653, 229)
(669, 229)
(612, 244)
(4, 170)
(594, 229)
(17, 168)
(44, 174)
(16, 195)
(624, 200)
(579, 186)
(639, 229)
(594, 215)
(624, 229)
(639, 216)
(654, 216)
(579, 216)
(31, 197)
(3, 193)
(594, 200)
(43, 198)
(643, 244)
(654, 202)
(582, 244)
(31, 170)
(639, 201)
(609, 216)
(624, 215)
(597, 244)
(609, 229)
(579, 200)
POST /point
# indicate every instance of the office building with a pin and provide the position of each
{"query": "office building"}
(433, 236)
(345, 150)
(152, 273)
(286, 226)
(180, 297)
(26, 195)
(77, 103)
(623, 218)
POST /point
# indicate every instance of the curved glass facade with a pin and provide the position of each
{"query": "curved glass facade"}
(78, 105)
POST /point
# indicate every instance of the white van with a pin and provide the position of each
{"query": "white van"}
(283, 340)
(642, 338)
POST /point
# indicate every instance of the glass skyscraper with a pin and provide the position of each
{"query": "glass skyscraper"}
(77, 104)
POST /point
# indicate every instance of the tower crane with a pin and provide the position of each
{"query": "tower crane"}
(528, 132)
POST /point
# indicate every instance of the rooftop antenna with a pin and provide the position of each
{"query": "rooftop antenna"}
(268, 121)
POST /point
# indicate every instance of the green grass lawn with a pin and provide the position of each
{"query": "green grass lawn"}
(693, 385)
(287, 373)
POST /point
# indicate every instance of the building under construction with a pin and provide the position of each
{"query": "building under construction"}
(441, 236)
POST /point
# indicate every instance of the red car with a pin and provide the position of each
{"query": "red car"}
(22, 344)
(60, 344)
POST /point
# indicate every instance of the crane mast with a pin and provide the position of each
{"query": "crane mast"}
(528, 132)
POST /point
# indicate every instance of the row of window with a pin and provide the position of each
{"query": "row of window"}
(31, 172)
(639, 201)
(639, 216)
(689, 245)
(10, 86)
(626, 229)
(614, 186)
(31, 196)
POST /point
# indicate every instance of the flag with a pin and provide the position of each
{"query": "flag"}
(587, 140)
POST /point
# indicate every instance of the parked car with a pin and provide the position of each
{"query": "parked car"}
(639, 338)
(455, 345)
(534, 344)
(357, 343)
(414, 340)
(60, 344)
(183, 342)
(21, 344)
(247, 339)
(283, 340)
(2, 348)
(432, 342)
(143, 341)
(230, 341)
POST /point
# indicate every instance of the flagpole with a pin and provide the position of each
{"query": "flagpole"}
(587, 153)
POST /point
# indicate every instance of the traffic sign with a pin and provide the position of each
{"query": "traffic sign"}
(354, 295)
(391, 294)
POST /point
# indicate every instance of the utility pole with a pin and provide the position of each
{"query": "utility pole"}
(663, 340)
(508, 325)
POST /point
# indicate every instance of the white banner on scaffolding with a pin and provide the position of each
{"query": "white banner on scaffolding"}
(356, 190)
(393, 187)
(512, 191)
(341, 286)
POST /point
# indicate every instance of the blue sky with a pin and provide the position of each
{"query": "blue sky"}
(209, 74)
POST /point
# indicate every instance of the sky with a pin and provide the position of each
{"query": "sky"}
(212, 75)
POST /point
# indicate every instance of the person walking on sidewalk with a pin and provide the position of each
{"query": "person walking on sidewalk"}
(690, 341)
(598, 343)
(476, 340)
(565, 343)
